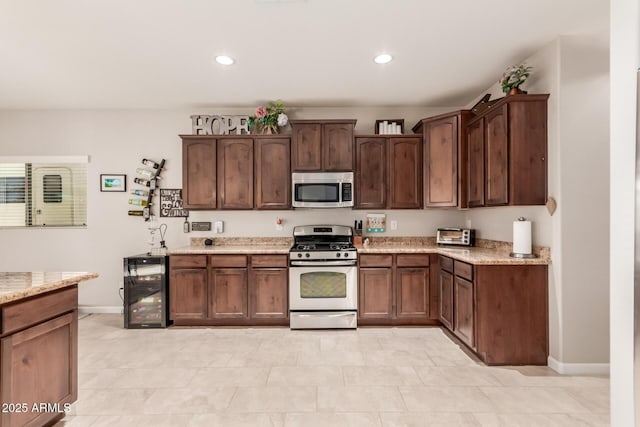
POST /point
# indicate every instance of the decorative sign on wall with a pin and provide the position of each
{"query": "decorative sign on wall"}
(171, 203)
(219, 125)
(376, 223)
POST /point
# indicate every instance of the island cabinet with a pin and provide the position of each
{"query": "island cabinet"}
(322, 145)
(498, 311)
(388, 172)
(229, 289)
(445, 158)
(236, 172)
(38, 357)
(396, 289)
(507, 153)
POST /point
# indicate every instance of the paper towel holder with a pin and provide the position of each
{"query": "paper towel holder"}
(519, 255)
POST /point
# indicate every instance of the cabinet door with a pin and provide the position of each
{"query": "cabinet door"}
(412, 287)
(188, 293)
(39, 365)
(306, 147)
(235, 173)
(199, 173)
(228, 293)
(269, 293)
(441, 163)
(337, 146)
(497, 158)
(272, 173)
(463, 311)
(371, 173)
(375, 296)
(446, 299)
(405, 173)
(475, 164)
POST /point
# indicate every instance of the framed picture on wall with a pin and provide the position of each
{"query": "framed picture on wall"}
(113, 182)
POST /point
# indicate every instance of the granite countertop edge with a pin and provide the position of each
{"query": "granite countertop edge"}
(15, 286)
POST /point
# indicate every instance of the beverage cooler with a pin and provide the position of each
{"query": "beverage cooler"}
(146, 291)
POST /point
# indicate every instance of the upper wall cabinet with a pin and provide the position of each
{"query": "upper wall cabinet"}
(322, 145)
(445, 157)
(236, 172)
(507, 153)
(388, 172)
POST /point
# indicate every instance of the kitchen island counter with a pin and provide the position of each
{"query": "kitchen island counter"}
(15, 286)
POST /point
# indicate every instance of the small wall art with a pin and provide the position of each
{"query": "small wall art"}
(171, 203)
(113, 182)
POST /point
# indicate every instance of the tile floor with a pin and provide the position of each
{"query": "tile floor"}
(276, 377)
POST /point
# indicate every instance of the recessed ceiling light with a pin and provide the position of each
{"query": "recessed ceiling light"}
(383, 58)
(224, 60)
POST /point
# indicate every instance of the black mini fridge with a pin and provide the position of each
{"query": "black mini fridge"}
(146, 291)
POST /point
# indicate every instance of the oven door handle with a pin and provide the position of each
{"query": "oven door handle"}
(344, 263)
(327, 315)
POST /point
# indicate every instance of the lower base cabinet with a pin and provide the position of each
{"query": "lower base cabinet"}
(499, 311)
(395, 289)
(233, 290)
(39, 359)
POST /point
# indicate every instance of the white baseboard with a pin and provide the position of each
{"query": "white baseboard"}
(578, 368)
(100, 309)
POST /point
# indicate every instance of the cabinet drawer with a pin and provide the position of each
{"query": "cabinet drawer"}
(228, 261)
(445, 263)
(413, 260)
(38, 309)
(464, 270)
(187, 261)
(269, 261)
(376, 260)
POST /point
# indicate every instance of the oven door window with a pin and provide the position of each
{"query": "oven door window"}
(327, 192)
(323, 284)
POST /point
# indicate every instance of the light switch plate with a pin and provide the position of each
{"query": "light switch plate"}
(200, 226)
(218, 227)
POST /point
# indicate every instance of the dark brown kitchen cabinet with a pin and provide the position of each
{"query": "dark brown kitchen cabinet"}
(322, 145)
(188, 287)
(269, 289)
(394, 289)
(272, 173)
(199, 185)
(38, 357)
(388, 172)
(371, 173)
(235, 173)
(514, 138)
(445, 282)
(445, 182)
(228, 293)
(463, 303)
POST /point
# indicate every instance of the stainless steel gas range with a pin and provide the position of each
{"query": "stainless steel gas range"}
(323, 278)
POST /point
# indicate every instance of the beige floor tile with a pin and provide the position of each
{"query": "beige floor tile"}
(353, 342)
(428, 419)
(236, 420)
(342, 419)
(543, 376)
(111, 401)
(360, 399)
(274, 399)
(456, 376)
(76, 421)
(597, 399)
(331, 358)
(392, 357)
(263, 359)
(226, 377)
(539, 420)
(445, 399)
(380, 375)
(523, 400)
(156, 377)
(305, 376)
(188, 400)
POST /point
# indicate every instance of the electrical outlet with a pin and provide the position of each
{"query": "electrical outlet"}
(394, 224)
(218, 227)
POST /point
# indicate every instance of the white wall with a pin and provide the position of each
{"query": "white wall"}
(116, 141)
(625, 61)
(574, 71)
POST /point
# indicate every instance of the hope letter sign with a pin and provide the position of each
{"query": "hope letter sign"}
(219, 125)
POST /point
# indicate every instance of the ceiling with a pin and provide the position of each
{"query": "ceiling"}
(77, 54)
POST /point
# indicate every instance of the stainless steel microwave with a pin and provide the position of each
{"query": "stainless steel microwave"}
(322, 189)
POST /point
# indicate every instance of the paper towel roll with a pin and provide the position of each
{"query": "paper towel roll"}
(522, 237)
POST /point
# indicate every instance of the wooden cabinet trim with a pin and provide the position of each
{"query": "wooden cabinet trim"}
(42, 307)
(379, 260)
(412, 260)
(445, 263)
(463, 270)
(225, 261)
(269, 260)
(188, 261)
(199, 177)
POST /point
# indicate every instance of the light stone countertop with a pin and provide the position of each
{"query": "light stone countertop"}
(231, 249)
(15, 286)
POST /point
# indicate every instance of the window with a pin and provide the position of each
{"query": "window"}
(45, 192)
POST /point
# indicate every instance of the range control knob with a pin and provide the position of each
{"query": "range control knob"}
(338, 254)
(299, 255)
(346, 254)
(307, 255)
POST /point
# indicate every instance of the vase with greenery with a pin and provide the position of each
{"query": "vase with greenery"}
(513, 77)
(269, 119)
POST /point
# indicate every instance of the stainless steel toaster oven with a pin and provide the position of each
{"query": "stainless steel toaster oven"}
(456, 236)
